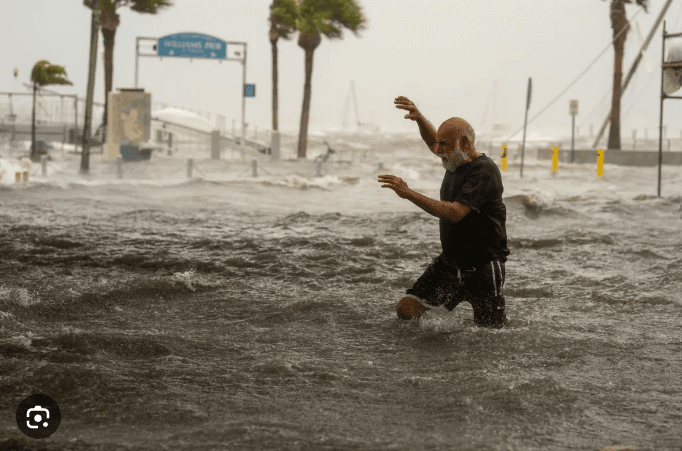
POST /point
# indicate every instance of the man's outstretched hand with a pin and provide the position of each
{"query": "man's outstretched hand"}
(396, 184)
(406, 104)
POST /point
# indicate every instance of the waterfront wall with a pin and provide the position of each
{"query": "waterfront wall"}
(619, 157)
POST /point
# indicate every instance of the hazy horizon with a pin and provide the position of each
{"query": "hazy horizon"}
(445, 56)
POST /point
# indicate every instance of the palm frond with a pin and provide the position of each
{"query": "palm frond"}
(330, 17)
(44, 73)
(104, 5)
(140, 6)
(284, 16)
(643, 3)
(147, 6)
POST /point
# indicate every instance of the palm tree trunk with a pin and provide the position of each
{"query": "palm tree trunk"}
(274, 86)
(94, 28)
(618, 22)
(108, 36)
(305, 113)
(33, 123)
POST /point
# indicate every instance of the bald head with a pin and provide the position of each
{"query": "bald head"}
(458, 131)
(455, 143)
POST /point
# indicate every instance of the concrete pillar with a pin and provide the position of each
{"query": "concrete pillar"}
(254, 167)
(190, 164)
(215, 145)
(318, 168)
(43, 162)
(125, 106)
(274, 144)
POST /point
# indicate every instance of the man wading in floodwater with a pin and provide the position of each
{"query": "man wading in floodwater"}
(472, 226)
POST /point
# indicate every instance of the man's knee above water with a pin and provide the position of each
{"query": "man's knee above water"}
(410, 308)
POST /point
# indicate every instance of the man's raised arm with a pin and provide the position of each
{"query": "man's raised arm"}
(426, 129)
(428, 132)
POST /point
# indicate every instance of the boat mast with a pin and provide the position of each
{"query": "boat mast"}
(355, 102)
(345, 114)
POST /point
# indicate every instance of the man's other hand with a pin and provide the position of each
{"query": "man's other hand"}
(396, 184)
(406, 104)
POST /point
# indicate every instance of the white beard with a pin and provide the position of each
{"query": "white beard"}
(454, 159)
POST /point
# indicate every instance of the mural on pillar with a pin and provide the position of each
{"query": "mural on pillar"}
(133, 126)
(135, 121)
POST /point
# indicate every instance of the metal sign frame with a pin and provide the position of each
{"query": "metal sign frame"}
(242, 60)
(664, 96)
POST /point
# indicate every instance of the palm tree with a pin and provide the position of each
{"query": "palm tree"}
(314, 17)
(283, 14)
(109, 22)
(619, 22)
(44, 73)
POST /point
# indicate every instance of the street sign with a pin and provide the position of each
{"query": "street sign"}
(573, 107)
(249, 90)
(191, 45)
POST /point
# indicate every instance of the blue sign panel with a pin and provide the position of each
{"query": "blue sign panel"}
(192, 45)
(249, 90)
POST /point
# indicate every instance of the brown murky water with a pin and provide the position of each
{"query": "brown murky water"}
(245, 314)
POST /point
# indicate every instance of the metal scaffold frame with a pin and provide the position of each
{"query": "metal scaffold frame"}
(664, 66)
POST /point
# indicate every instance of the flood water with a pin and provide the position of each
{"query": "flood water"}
(258, 313)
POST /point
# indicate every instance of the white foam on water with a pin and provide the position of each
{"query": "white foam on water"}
(297, 181)
(19, 296)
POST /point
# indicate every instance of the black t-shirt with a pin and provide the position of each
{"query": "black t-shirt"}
(481, 236)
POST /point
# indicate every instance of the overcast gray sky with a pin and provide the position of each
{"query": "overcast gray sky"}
(444, 55)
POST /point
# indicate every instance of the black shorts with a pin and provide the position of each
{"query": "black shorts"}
(444, 284)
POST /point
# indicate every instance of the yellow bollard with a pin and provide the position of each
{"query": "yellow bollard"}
(504, 157)
(26, 176)
(17, 177)
(600, 163)
(555, 158)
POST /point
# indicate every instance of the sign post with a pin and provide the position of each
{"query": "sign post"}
(243, 141)
(573, 110)
(249, 91)
(525, 121)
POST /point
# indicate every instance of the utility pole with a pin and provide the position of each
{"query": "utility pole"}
(94, 28)
(573, 110)
(525, 121)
